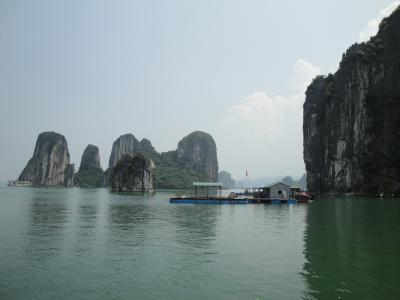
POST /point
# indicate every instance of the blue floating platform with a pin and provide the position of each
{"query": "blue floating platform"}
(209, 201)
(226, 200)
(276, 201)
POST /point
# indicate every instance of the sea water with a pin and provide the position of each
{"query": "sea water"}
(73, 243)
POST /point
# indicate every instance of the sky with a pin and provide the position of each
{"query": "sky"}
(94, 70)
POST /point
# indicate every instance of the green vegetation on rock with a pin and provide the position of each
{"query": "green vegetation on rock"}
(90, 178)
(351, 120)
(90, 173)
(173, 173)
(194, 160)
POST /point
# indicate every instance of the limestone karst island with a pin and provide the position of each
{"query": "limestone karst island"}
(199, 150)
(134, 166)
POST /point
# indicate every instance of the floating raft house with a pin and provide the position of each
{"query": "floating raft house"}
(266, 195)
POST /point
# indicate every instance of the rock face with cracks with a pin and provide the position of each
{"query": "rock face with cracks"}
(351, 120)
(133, 174)
(50, 163)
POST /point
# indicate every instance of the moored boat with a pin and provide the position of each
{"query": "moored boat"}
(19, 183)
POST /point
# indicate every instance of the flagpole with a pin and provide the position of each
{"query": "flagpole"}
(247, 182)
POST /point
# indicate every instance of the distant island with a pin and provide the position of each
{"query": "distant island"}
(350, 131)
(244, 183)
(226, 179)
(90, 173)
(195, 159)
(351, 120)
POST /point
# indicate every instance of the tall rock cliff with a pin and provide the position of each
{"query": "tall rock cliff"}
(90, 173)
(351, 119)
(198, 152)
(50, 165)
(133, 174)
(127, 144)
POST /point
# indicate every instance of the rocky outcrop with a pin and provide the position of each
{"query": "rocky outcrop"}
(145, 146)
(127, 144)
(133, 174)
(90, 173)
(50, 165)
(226, 179)
(198, 151)
(301, 183)
(351, 119)
(194, 160)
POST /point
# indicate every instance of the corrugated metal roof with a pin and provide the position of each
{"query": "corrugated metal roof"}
(279, 183)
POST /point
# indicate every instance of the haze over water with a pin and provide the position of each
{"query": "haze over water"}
(92, 244)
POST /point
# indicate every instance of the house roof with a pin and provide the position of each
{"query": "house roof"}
(278, 183)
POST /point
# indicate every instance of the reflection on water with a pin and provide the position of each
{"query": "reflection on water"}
(352, 248)
(92, 244)
(128, 220)
(195, 224)
(87, 211)
(47, 221)
(126, 216)
(194, 244)
(128, 224)
(87, 215)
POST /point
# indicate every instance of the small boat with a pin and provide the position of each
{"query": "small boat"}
(19, 183)
(303, 196)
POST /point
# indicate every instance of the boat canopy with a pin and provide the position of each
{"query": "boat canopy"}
(207, 184)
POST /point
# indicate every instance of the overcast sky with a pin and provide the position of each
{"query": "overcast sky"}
(93, 70)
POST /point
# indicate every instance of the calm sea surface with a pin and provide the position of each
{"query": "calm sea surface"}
(92, 244)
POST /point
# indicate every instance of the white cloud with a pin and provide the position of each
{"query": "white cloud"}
(261, 117)
(266, 131)
(373, 25)
(303, 73)
(263, 133)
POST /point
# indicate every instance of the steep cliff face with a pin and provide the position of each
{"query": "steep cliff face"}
(127, 144)
(198, 152)
(90, 173)
(351, 119)
(50, 165)
(133, 174)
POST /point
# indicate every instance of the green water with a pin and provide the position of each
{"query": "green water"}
(92, 244)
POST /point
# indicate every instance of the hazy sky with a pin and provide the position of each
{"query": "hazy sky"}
(93, 70)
